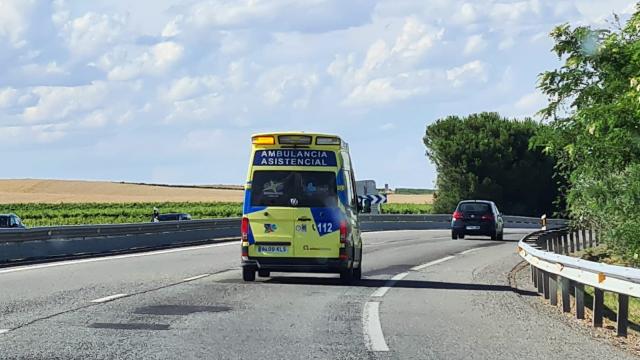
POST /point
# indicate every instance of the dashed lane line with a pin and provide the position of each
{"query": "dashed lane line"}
(195, 277)
(108, 298)
(435, 262)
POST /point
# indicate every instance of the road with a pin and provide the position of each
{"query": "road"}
(450, 299)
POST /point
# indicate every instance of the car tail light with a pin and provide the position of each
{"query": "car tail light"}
(244, 229)
(487, 217)
(343, 232)
(457, 215)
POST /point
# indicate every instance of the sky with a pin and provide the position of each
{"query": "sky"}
(170, 91)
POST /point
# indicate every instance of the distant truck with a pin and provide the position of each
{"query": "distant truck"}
(367, 187)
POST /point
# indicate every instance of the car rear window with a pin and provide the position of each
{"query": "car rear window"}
(475, 207)
(169, 217)
(294, 189)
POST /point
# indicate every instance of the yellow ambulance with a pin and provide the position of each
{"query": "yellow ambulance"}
(300, 209)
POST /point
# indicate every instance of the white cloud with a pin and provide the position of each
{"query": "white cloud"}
(531, 103)
(14, 20)
(188, 87)
(475, 71)
(56, 102)
(288, 86)
(92, 32)
(475, 44)
(155, 61)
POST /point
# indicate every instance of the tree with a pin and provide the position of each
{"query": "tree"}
(485, 156)
(594, 132)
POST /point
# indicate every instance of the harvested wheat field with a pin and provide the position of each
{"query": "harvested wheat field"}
(73, 191)
(410, 199)
(70, 191)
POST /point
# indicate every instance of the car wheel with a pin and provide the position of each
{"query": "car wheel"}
(501, 236)
(461, 236)
(248, 274)
(454, 236)
(494, 236)
(264, 273)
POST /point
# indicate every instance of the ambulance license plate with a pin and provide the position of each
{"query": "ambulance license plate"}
(273, 249)
(473, 227)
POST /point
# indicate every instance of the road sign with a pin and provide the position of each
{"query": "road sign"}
(375, 199)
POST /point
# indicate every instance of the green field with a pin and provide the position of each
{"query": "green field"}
(121, 213)
(113, 213)
(407, 208)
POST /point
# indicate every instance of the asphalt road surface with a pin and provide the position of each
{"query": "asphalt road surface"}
(423, 296)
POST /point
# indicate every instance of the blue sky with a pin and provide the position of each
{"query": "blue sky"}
(170, 91)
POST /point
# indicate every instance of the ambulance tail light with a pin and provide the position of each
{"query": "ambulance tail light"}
(244, 229)
(263, 140)
(343, 232)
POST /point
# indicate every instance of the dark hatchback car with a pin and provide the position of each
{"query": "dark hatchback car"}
(174, 217)
(10, 221)
(477, 217)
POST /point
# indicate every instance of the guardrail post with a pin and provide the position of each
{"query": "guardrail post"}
(545, 284)
(553, 289)
(623, 314)
(565, 244)
(577, 235)
(540, 281)
(566, 295)
(579, 288)
(590, 238)
(598, 307)
(533, 274)
(558, 242)
(584, 238)
(572, 246)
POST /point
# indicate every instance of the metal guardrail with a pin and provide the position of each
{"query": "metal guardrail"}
(23, 245)
(547, 253)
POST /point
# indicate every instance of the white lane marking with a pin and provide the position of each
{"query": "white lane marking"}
(372, 329)
(108, 298)
(470, 251)
(115, 257)
(383, 290)
(3, 331)
(420, 267)
(195, 277)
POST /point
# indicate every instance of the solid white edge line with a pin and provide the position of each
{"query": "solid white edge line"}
(108, 298)
(371, 327)
(470, 251)
(195, 277)
(3, 331)
(115, 257)
(380, 292)
(420, 267)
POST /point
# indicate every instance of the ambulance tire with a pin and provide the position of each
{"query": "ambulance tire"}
(357, 273)
(346, 276)
(248, 274)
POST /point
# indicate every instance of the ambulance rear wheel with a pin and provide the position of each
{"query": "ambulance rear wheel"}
(346, 276)
(357, 273)
(248, 274)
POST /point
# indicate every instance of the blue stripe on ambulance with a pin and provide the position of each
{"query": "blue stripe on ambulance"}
(327, 220)
(342, 194)
(248, 209)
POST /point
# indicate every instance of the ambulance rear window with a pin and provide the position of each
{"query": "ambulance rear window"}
(294, 189)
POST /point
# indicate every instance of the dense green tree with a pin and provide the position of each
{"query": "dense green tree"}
(594, 132)
(485, 156)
